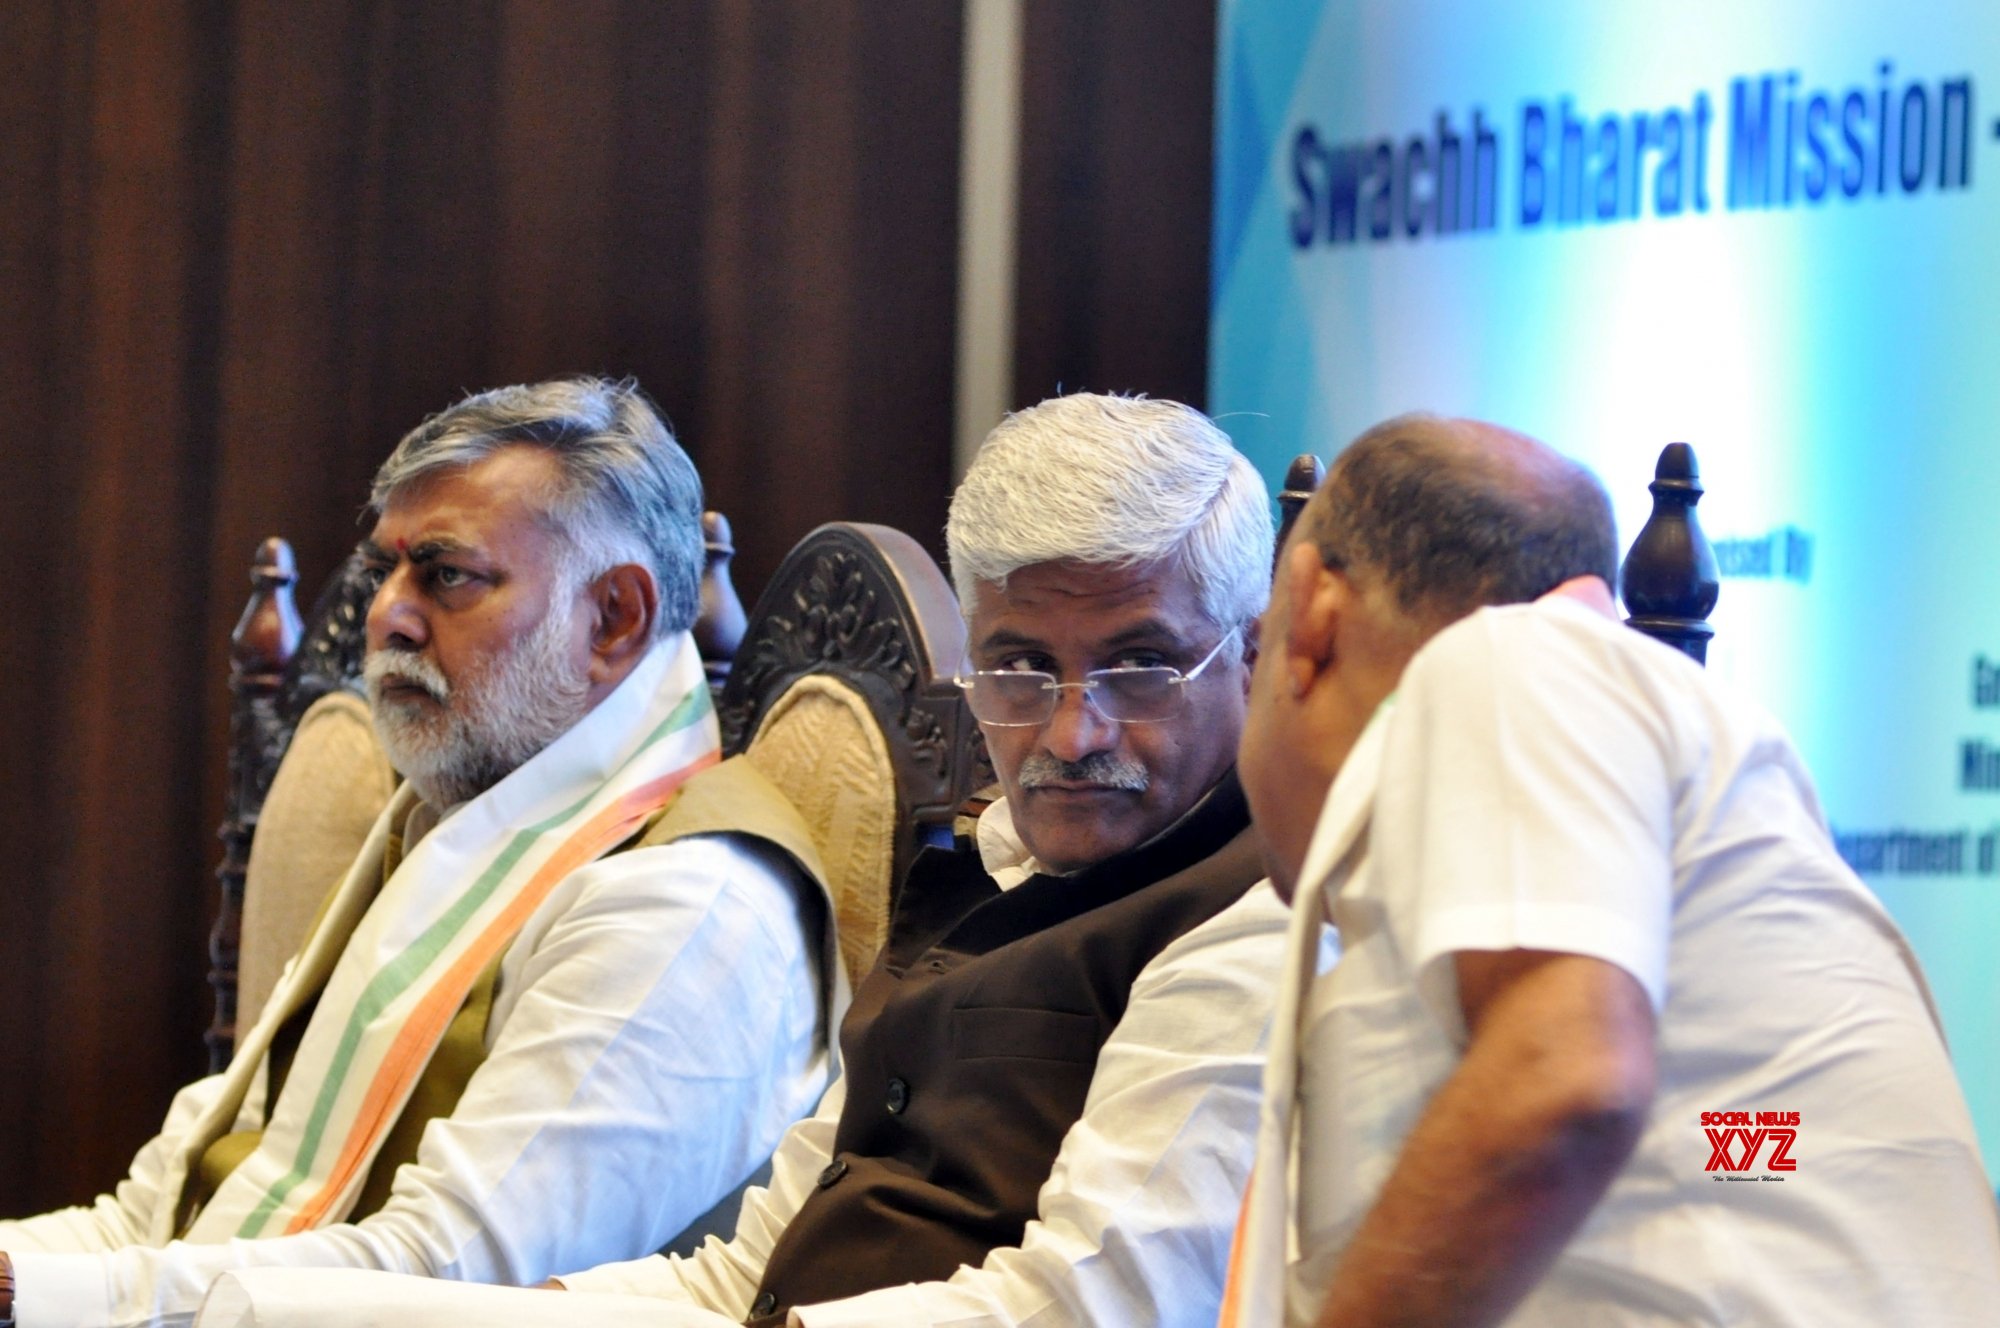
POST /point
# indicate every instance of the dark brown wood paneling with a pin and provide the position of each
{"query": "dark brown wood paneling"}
(1112, 269)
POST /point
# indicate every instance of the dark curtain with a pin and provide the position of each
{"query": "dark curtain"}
(1117, 106)
(245, 246)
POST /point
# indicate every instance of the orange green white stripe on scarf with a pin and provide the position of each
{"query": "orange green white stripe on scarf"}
(396, 968)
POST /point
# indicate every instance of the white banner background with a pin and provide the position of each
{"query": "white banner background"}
(1836, 363)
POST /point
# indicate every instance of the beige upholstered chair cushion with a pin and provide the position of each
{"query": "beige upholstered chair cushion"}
(332, 784)
(820, 745)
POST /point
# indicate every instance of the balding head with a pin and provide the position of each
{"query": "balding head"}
(1421, 521)
(1452, 514)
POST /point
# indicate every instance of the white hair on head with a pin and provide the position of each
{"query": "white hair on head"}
(1115, 481)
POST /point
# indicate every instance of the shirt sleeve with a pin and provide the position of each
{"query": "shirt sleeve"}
(656, 1028)
(724, 1276)
(123, 1216)
(1134, 1223)
(1525, 802)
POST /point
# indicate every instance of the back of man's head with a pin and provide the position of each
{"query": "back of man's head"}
(1454, 514)
(626, 491)
(1119, 482)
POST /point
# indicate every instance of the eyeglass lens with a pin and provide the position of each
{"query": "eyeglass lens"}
(1130, 696)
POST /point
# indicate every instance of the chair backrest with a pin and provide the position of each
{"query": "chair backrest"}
(841, 694)
(324, 799)
(279, 668)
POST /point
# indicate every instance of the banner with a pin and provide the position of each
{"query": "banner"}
(1771, 231)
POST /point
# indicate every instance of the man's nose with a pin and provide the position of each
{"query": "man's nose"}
(395, 621)
(1078, 727)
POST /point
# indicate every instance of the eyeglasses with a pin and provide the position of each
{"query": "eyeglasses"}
(1010, 698)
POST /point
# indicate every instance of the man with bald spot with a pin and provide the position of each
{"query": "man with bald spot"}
(1588, 905)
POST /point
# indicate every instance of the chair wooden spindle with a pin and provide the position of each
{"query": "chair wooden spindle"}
(719, 631)
(265, 639)
(1302, 480)
(1669, 581)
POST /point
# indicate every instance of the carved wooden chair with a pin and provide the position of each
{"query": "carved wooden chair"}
(842, 695)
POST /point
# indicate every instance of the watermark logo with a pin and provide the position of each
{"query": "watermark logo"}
(1739, 1140)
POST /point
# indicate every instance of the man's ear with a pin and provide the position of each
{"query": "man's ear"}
(1317, 598)
(625, 603)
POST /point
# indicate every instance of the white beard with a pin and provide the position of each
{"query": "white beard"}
(482, 729)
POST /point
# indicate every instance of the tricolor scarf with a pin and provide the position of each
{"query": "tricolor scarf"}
(1262, 1253)
(392, 967)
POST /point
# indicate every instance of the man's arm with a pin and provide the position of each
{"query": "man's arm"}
(1514, 1149)
(1134, 1223)
(658, 1029)
(723, 1276)
(711, 1287)
(123, 1216)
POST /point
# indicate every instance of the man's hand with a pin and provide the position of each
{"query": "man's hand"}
(1513, 1151)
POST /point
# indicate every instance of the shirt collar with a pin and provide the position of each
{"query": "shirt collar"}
(1216, 817)
(1001, 852)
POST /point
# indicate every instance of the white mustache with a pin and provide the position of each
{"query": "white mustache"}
(1099, 768)
(405, 666)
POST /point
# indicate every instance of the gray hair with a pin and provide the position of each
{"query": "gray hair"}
(1116, 481)
(626, 492)
(1453, 514)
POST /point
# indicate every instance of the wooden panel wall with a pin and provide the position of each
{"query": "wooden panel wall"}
(243, 247)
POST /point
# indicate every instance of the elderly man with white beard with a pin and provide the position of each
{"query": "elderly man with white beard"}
(577, 982)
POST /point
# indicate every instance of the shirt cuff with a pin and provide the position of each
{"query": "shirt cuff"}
(52, 1289)
(650, 1276)
(899, 1305)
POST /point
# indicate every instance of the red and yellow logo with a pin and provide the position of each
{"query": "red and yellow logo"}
(1736, 1139)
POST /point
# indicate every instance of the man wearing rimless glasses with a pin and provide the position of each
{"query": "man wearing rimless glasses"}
(1094, 766)
(1050, 1080)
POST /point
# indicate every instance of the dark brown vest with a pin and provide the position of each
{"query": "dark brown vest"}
(970, 1048)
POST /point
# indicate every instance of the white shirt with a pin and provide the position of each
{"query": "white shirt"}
(655, 1028)
(1550, 780)
(1132, 1227)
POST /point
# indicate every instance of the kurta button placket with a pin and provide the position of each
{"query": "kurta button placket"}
(899, 1097)
(763, 1305)
(830, 1175)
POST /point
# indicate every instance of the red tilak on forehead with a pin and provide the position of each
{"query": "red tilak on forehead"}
(403, 547)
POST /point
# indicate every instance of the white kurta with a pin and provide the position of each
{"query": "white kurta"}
(1133, 1225)
(1546, 779)
(656, 1027)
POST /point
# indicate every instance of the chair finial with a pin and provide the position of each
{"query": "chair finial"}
(1669, 581)
(718, 632)
(1302, 480)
